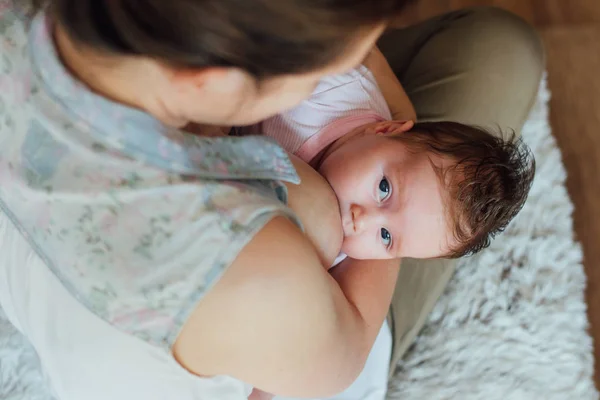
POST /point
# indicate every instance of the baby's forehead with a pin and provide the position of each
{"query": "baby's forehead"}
(426, 234)
(428, 226)
(443, 165)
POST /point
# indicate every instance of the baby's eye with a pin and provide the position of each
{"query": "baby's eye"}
(383, 191)
(386, 237)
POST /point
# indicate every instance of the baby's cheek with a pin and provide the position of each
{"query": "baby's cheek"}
(359, 248)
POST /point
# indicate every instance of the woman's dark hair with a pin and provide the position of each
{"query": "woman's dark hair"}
(263, 37)
(488, 179)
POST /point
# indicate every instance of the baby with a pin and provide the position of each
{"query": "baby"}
(425, 190)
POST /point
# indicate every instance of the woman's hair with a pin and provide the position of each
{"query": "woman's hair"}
(263, 37)
(487, 180)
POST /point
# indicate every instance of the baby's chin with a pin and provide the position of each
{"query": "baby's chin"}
(354, 251)
(358, 251)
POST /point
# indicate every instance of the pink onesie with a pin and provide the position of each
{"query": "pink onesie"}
(338, 105)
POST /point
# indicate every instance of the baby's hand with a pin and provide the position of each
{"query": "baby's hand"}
(260, 395)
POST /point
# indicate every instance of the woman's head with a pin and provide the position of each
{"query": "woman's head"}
(281, 47)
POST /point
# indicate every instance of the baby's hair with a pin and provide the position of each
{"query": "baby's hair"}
(488, 179)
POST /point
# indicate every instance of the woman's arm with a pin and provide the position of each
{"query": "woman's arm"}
(393, 92)
(280, 322)
(358, 276)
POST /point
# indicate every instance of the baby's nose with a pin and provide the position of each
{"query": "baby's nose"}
(362, 218)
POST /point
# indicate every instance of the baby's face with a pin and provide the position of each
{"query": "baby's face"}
(391, 200)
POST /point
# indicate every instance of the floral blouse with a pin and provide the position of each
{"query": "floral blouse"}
(137, 220)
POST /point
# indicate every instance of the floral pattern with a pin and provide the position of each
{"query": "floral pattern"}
(137, 220)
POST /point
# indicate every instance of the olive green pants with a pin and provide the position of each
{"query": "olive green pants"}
(477, 66)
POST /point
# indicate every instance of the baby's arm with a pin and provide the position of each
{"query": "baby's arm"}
(393, 92)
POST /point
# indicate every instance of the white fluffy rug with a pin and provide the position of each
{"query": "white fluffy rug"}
(511, 326)
(512, 323)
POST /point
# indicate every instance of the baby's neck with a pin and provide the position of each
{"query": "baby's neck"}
(319, 158)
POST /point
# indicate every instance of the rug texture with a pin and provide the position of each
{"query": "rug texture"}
(511, 325)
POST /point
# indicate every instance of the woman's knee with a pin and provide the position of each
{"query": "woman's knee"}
(507, 62)
(506, 39)
(479, 66)
(492, 61)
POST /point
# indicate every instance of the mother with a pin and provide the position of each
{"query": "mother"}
(137, 258)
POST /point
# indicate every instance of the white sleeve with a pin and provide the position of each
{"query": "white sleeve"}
(341, 257)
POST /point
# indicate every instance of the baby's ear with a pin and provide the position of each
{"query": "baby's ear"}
(402, 126)
(395, 127)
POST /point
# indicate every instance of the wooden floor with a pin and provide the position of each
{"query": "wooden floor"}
(571, 32)
(541, 13)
